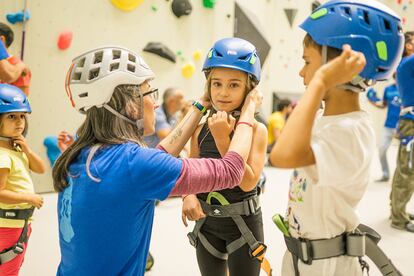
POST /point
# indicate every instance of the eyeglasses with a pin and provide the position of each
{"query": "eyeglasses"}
(153, 92)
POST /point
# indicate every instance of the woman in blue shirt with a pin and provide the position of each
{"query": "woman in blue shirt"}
(108, 181)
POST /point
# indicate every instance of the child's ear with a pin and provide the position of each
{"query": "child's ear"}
(3, 39)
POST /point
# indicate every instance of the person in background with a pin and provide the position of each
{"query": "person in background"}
(166, 115)
(390, 100)
(19, 74)
(277, 121)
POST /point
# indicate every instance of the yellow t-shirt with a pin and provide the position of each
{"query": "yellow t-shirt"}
(276, 121)
(18, 181)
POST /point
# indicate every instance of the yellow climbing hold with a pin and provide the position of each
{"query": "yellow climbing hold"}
(188, 70)
(197, 55)
(127, 5)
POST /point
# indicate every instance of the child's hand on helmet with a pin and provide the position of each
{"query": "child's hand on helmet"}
(341, 69)
(254, 97)
(64, 140)
(191, 209)
(21, 141)
(221, 125)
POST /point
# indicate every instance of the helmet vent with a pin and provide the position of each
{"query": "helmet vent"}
(246, 57)
(77, 76)
(116, 54)
(81, 62)
(131, 58)
(94, 73)
(347, 11)
(387, 25)
(83, 95)
(366, 17)
(114, 66)
(131, 68)
(98, 57)
(381, 70)
(218, 54)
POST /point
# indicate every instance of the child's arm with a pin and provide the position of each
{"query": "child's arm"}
(10, 197)
(191, 209)
(293, 148)
(36, 164)
(221, 126)
(10, 73)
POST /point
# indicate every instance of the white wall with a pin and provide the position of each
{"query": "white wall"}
(97, 22)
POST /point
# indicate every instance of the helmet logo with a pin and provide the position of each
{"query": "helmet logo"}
(231, 52)
(17, 99)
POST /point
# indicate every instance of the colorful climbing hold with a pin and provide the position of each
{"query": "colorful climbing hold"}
(17, 17)
(64, 40)
(188, 70)
(197, 55)
(209, 4)
(127, 5)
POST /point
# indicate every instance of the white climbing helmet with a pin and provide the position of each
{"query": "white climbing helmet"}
(93, 76)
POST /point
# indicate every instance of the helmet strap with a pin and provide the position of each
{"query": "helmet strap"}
(138, 123)
(10, 141)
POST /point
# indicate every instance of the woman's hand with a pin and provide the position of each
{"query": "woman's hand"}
(64, 140)
(191, 209)
(254, 98)
(221, 125)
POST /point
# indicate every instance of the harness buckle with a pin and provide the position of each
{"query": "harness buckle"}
(193, 239)
(259, 252)
(305, 251)
(18, 248)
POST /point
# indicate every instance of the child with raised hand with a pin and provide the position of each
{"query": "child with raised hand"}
(17, 196)
(331, 150)
(232, 68)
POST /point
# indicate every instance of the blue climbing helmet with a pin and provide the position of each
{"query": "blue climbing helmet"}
(12, 99)
(234, 53)
(368, 26)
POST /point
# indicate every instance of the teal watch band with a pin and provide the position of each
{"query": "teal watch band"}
(200, 107)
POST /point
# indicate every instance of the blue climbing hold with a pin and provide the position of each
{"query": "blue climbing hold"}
(17, 17)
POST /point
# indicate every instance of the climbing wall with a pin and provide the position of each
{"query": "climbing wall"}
(60, 30)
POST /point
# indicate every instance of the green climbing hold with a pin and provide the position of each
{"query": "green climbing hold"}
(154, 8)
(209, 4)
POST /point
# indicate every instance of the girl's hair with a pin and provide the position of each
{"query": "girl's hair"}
(101, 127)
(26, 122)
(7, 32)
(331, 52)
(250, 84)
(408, 36)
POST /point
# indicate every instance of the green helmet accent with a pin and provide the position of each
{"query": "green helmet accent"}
(382, 50)
(319, 13)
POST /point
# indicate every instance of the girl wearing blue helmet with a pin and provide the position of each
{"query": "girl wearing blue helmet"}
(223, 241)
(331, 150)
(17, 196)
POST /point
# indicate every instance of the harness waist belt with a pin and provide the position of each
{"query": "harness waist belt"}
(246, 207)
(17, 214)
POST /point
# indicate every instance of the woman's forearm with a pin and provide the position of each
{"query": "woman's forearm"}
(207, 174)
(176, 140)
